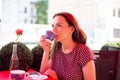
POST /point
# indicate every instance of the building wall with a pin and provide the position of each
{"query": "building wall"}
(9, 11)
(95, 17)
(0, 10)
(18, 11)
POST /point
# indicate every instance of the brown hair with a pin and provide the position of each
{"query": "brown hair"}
(78, 35)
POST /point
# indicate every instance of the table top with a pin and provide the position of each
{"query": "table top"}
(4, 75)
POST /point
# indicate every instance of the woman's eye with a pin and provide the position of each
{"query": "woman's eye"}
(52, 25)
(59, 25)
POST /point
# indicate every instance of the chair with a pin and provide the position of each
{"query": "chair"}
(107, 65)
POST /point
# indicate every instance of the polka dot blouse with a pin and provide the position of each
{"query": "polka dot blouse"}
(69, 66)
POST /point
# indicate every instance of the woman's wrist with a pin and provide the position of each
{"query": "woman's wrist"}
(46, 51)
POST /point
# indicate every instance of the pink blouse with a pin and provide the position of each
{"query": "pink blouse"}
(69, 66)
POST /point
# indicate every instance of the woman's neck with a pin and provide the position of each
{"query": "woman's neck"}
(67, 47)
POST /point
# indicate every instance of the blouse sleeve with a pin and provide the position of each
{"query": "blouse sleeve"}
(84, 55)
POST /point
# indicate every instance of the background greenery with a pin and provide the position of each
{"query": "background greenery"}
(42, 6)
(111, 45)
(37, 52)
(24, 54)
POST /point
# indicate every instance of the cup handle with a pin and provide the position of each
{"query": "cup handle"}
(26, 76)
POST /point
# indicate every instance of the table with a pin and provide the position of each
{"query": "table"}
(4, 75)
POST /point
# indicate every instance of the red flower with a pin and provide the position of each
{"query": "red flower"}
(19, 32)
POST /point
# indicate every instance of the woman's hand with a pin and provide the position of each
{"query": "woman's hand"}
(44, 43)
(50, 72)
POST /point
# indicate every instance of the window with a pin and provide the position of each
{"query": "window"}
(31, 21)
(113, 12)
(119, 12)
(25, 10)
(116, 33)
(25, 21)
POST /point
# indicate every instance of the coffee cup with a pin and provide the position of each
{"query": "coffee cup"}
(49, 35)
(17, 75)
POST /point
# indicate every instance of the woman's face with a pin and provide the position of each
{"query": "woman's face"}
(62, 29)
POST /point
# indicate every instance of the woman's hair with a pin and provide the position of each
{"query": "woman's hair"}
(78, 35)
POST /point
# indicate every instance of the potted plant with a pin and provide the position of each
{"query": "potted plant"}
(24, 55)
(111, 46)
(37, 52)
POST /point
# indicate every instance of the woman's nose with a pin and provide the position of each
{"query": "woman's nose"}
(54, 29)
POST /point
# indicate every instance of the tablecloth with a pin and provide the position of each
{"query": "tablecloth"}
(4, 75)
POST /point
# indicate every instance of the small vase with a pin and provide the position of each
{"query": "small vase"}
(14, 62)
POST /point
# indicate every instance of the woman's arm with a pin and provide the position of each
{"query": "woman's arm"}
(45, 59)
(46, 67)
(46, 63)
(89, 71)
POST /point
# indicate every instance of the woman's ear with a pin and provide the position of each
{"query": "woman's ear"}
(72, 29)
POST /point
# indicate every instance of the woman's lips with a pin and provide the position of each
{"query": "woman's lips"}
(56, 36)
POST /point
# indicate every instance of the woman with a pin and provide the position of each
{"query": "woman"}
(69, 58)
